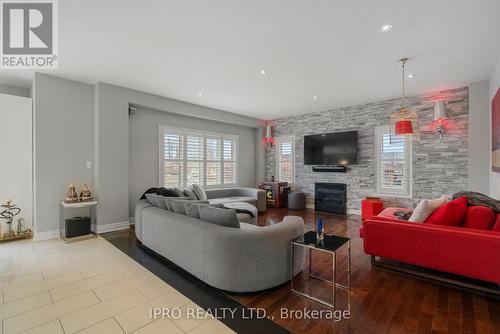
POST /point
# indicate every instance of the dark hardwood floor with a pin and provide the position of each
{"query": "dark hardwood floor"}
(381, 301)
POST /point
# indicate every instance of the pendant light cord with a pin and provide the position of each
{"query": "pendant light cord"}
(403, 66)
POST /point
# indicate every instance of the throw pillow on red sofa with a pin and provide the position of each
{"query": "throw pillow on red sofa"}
(450, 214)
(479, 217)
(496, 226)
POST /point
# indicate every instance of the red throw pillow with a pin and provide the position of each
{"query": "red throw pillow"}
(450, 214)
(496, 227)
(479, 217)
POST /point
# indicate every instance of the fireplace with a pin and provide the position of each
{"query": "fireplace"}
(330, 198)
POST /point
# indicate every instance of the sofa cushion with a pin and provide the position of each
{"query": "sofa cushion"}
(192, 208)
(178, 205)
(233, 199)
(200, 193)
(152, 198)
(479, 217)
(425, 208)
(496, 225)
(179, 192)
(450, 214)
(190, 193)
(223, 217)
(164, 202)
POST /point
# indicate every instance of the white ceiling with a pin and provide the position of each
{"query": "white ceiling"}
(332, 49)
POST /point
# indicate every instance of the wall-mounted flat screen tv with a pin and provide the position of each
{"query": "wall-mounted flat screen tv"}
(340, 148)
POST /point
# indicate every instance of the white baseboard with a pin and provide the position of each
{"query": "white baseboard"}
(46, 235)
(113, 227)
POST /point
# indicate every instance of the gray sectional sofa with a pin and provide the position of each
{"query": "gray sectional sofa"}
(245, 259)
(254, 196)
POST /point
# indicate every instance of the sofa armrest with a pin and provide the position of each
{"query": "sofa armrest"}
(467, 252)
(258, 194)
(139, 206)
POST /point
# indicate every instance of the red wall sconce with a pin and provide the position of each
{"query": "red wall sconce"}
(440, 118)
(268, 139)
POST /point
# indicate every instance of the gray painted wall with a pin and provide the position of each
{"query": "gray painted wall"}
(112, 132)
(144, 148)
(438, 167)
(494, 86)
(63, 142)
(15, 90)
(479, 156)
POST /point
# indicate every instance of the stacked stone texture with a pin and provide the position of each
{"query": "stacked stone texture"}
(439, 167)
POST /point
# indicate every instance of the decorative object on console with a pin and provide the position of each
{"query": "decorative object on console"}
(86, 194)
(9, 212)
(71, 195)
(440, 118)
(495, 133)
(404, 121)
(276, 193)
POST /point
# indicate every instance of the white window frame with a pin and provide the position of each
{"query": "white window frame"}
(279, 140)
(185, 132)
(405, 193)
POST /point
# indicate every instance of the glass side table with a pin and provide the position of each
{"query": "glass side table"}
(330, 244)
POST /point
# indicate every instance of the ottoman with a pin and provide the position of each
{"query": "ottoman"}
(296, 200)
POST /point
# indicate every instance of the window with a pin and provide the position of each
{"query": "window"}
(393, 163)
(285, 161)
(193, 157)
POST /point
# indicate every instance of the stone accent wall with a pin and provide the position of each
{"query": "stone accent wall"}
(439, 167)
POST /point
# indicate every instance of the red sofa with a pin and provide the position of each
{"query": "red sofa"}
(457, 250)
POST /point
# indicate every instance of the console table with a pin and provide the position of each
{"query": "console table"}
(330, 244)
(276, 193)
(63, 206)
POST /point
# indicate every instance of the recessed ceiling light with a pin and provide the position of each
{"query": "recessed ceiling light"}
(263, 72)
(200, 94)
(386, 27)
(410, 76)
(315, 97)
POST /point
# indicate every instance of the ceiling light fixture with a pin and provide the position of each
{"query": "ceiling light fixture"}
(200, 94)
(410, 76)
(315, 97)
(405, 120)
(386, 27)
(263, 72)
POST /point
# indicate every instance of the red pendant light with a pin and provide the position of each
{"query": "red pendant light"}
(403, 127)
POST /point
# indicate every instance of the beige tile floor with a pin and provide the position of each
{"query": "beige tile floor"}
(86, 287)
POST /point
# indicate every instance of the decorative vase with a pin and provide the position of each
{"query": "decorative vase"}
(86, 194)
(71, 195)
(319, 230)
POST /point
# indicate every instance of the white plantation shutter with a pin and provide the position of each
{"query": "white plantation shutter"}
(285, 164)
(191, 157)
(393, 162)
(172, 164)
(194, 157)
(229, 161)
(214, 156)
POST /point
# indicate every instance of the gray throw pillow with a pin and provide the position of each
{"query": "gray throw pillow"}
(223, 217)
(190, 193)
(200, 193)
(192, 208)
(179, 192)
(178, 205)
(152, 198)
(169, 200)
(163, 201)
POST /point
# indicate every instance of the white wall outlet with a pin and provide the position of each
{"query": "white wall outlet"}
(89, 164)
